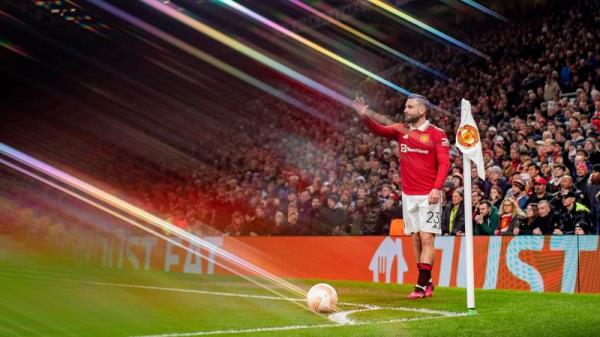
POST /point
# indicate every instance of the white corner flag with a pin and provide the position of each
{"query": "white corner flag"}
(468, 140)
(469, 143)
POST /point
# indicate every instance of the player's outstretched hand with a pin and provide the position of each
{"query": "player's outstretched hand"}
(360, 106)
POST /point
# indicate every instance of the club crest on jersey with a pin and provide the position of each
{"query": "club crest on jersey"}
(424, 138)
(467, 136)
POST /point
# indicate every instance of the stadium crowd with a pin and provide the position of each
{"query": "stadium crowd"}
(287, 172)
(537, 103)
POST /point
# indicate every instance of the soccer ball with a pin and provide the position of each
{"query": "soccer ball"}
(322, 298)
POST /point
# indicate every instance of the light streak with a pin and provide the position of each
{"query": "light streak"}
(369, 39)
(402, 15)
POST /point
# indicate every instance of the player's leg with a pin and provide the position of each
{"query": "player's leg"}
(429, 220)
(427, 247)
(426, 262)
(410, 212)
(416, 239)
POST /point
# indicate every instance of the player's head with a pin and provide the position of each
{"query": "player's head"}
(416, 107)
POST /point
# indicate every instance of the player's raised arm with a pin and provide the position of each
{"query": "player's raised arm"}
(369, 117)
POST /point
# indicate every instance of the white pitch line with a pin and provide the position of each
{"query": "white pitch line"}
(294, 327)
(342, 316)
(339, 318)
(139, 286)
(216, 293)
(233, 331)
(203, 292)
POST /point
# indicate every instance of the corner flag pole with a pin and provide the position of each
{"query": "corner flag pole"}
(469, 236)
(468, 141)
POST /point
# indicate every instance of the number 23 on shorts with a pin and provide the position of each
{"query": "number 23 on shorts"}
(433, 218)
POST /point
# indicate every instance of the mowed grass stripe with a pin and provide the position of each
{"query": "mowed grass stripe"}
(129, 312)
(88, 310)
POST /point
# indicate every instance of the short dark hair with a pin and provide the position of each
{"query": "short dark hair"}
(423, 100)
(334, 197)
(486, 202)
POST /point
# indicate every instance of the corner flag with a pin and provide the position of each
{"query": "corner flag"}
(469, 143)
(467, 138)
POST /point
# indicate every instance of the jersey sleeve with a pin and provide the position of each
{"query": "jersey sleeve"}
(442, 152)
(392, 131)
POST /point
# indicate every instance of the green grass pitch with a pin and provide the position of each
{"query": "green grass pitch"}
(85, 302)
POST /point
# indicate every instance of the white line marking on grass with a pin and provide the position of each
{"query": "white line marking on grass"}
(217, 293)
(234, 331)
(342, 316)
(295, 327)
(183, 290)
(339, 318)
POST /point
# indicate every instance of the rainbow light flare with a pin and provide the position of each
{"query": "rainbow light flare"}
(144, 227)
(485, 10)
(226, 67)
(269, 23)
(16, 49)
(230, 42)
(402, 15)
(369, 39)
(135, 212)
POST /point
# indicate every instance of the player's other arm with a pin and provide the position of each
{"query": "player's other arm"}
(442, 152)
(368, 117)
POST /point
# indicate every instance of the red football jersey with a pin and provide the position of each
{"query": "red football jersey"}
(424, 155)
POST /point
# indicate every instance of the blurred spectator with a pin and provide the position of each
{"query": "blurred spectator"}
(539, 191)
(391, 210)
(370, 219)
(496, 196)
(476, 198)
(260, 224)
(557, 175)
(335, 217)
(547, 220)
(574, 217)
(315, 222)
(582, 176)
(517, 192)
(495, 179)
(281, 225)
(448, 190)
(592, 195)
(237, 226)
(510, 218)
(530, 223)
(486, 222)
(453, 216)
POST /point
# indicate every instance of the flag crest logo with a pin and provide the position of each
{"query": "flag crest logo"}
(467, 136)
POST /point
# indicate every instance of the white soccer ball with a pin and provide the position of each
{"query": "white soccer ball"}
(322, 298)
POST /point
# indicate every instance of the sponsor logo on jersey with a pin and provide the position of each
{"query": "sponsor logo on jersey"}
(405, 149)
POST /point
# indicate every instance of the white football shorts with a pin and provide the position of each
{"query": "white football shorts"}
(421, 216)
